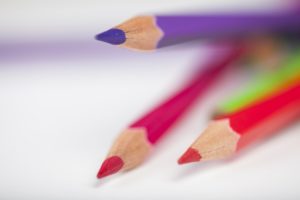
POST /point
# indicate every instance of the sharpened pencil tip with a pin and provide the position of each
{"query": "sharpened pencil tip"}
(110, 166)
(113, 36)
(191, 155)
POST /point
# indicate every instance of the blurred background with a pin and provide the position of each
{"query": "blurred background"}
(65, 96)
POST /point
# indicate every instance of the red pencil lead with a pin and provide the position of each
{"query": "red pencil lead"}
(110, 166)
(191, 155)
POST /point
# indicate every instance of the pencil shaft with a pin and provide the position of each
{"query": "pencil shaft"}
(264, 86)
(267, 117)
(245, 119)
(157, 121)
(280, 119)
(181, 28)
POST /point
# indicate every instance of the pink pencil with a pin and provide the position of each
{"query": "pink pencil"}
(134, 144)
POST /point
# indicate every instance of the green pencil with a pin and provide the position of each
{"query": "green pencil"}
(263, 86)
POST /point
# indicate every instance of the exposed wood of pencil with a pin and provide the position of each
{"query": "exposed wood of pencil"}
(225, 136)
(133, 145)
(129, 150)
(141, 33)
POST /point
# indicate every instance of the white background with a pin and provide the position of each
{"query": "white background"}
(64, 97)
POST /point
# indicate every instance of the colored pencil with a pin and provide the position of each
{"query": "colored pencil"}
(224, 136)
(152, 32)
(264, 86)
(134, 144)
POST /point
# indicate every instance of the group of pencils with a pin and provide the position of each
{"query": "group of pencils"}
(268, 104)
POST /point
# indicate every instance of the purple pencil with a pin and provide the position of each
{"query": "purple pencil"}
(152, 32)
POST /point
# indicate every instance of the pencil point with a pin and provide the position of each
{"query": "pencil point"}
(110, 166)
(191, 155)
(113, 36)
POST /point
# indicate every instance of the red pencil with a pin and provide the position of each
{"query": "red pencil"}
(227, 135)
(134, 144)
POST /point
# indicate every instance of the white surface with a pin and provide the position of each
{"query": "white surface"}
(64, 97)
